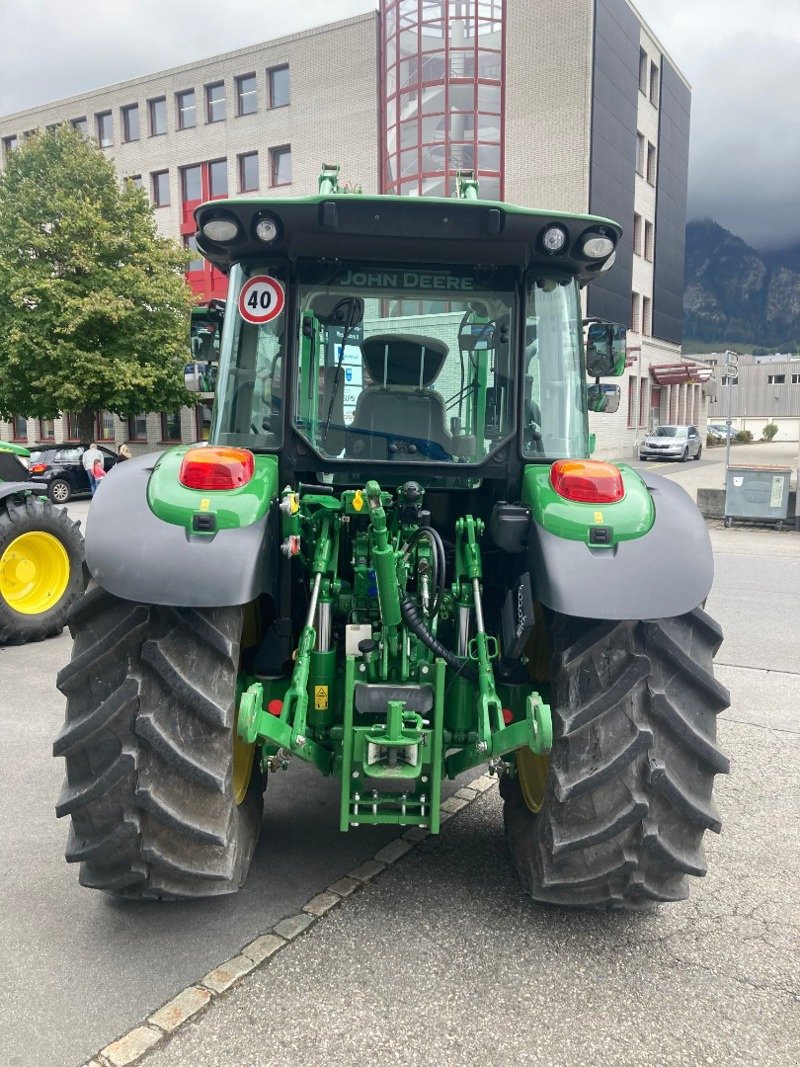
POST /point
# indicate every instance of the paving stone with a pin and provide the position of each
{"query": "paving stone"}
(345, 886)
(453, 804)
(294, 925)
(444, 816)
(223, 977)
(263, 947)
(367, 870)
(393, 851)
(486, 781)
(180, 1008)
(416, 833)
(131, 1046)
(467, 793)
(321, 903)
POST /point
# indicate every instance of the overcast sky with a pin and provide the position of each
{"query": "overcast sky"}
(742, 59)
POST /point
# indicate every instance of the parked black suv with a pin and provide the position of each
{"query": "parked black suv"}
(60, 469)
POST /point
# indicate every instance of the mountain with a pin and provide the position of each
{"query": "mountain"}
(735, 294)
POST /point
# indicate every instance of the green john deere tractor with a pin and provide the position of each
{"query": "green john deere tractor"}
(41, 555)
(394, 560)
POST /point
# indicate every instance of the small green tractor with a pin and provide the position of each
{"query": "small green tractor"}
(395, 560)
(41, 555)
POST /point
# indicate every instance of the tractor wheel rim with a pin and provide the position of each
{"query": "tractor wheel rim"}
(532, 771)
(243, 755)
(60, 492)
(34, 573)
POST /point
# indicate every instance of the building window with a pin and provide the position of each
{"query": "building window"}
(73, 433)
(203, 421)
(278, 78)
(640, 153)
(647, 324)
(643, 62)
(190, 243)
(654, 84)
(20, 425)
(186, 105)
(634, 312)
(105, 129)
(137, 428)
(651, 163)
(9, 144)
(81, 125)
(776, 379)
(171, 426)
(248, 172)
(246, 95)
(47, 430)
(130, 123)
(191, 183)
(637, 235)
(161, 188)
(158, 116)
(105, 426)
(215, 102)
(796, 379)
(280, 165)
(218, 178)
(633, 410)
(648, 241)
(135, 180)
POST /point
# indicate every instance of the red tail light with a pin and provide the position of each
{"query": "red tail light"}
(216, 468)
(38, 468)
(587, 481)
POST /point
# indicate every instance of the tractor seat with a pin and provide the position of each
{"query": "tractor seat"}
(400, 417)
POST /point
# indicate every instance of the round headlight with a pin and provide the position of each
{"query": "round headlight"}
(597, 247)
(266, 230)
(220, 229)
(554, 238)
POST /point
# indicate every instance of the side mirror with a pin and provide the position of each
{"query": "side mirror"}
(333, 311)
(604, 398)
(605, 350)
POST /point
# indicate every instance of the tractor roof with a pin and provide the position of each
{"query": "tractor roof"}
(403, 229)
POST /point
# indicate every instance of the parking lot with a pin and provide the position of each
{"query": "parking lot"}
(441, 959)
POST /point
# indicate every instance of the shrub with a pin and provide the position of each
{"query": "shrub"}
(744, 437)
(769, 431)
(711, 440)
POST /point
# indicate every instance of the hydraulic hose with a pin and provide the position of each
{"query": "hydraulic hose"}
(411, 618)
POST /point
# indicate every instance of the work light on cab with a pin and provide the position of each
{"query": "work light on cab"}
(216, 468)
(587, 481)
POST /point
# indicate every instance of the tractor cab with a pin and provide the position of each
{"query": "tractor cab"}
(387, 334)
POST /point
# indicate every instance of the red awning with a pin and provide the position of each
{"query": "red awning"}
(680, 373)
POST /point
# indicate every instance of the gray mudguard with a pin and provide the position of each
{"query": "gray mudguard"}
(137, 556)
(667, 572)
(12, 488)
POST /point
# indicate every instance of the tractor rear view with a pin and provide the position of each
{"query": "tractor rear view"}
(394, 560)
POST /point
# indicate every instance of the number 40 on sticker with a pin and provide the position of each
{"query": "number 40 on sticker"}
(261, 299)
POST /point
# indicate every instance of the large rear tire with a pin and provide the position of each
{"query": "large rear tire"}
(41, 568)
(154, 770)
(627, 797)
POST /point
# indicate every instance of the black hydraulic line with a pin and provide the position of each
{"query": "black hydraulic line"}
(415, 624)
(439, 562)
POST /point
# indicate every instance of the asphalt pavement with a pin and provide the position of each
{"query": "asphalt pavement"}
(441, 958)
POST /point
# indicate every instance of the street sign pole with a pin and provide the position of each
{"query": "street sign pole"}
(731, 372)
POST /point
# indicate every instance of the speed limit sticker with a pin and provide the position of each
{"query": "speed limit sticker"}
(261, 299)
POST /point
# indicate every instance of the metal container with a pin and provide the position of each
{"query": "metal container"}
(760, 493)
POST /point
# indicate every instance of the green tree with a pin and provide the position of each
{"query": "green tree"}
(94, 307)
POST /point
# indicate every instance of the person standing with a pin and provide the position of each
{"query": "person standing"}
(90, 457)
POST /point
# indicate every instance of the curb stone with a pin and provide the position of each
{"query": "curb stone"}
(160, 1025)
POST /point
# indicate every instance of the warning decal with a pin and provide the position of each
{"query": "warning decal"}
(320, 698)
(261, 299)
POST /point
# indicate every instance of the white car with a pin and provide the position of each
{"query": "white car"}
(672, 442)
